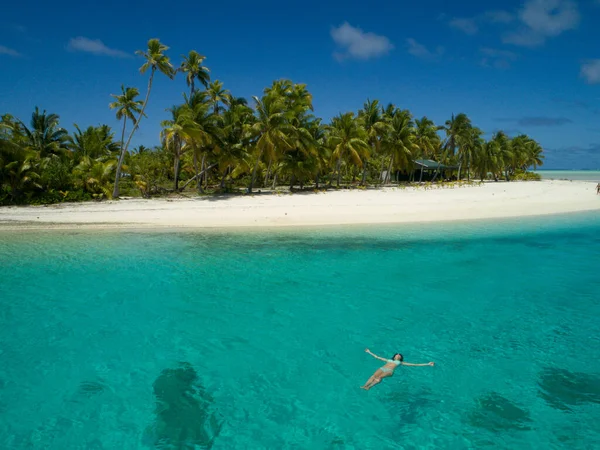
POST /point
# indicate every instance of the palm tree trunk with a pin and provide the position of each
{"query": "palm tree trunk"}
(268, 172)
(317, 181)
(339, 171)
(223, 178)
(206, 176)
(121, 158)
(202, 167)
(196, 176)
(253, 179)
(364, 175)
(468, 167)
(135, 126)
(176, 166)
(275, 180)
(389, 171)
(195, 162)
(199, 184)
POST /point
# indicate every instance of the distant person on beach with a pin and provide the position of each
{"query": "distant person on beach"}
(387, 370)
(598, 189)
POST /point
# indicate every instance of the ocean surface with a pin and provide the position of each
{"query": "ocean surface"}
(574, 175)
(256, 340)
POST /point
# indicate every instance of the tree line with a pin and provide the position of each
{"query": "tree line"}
(215, 141)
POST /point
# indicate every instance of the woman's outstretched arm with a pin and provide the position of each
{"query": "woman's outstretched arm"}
(374, 355)
(418, 365)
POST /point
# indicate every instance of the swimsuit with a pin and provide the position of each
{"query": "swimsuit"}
(390, 370)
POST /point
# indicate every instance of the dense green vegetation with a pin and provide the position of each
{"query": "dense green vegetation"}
(216, 142)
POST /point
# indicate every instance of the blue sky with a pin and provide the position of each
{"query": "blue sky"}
(523, 66)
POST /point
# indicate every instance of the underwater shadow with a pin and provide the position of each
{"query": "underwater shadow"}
(495, 413)
(562, 389)
(185, 418)
(410, 408)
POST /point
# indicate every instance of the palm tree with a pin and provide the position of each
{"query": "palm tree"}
(457, 132)
(18, 169)
(127, 107)
(322, 155)
(535, 155)
(95, 176)
(206, 133)
(194, 70)
(177, 134)
(348, 139)
(297, 101)
(427, 137)
(375, 126)
(505, 153)
(93, 142)
(469, 144)
(155, 60)
(301, 160)
(399, 142)
(9, 126)
(45, 136)
(271, 129)
(487, 159)
(217, 94)
(234, 140)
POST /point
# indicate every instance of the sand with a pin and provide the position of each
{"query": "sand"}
(370, 206)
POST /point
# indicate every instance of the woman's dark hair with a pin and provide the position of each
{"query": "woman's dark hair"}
(398, 354)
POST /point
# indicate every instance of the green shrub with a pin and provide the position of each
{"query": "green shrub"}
(56, 174)
(526, 176)
(57, 196)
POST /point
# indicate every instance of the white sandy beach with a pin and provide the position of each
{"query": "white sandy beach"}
(390, 205)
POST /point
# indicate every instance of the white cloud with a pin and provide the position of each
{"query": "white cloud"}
(524, 38)
(422, 52)
(9, 51)
(498, 53)
(471, 25)
(357, 44)
(95, 46)
(550, 17)
(591, 71)
(499, 16)
(500, 59)
(467, 26)
(542, 19)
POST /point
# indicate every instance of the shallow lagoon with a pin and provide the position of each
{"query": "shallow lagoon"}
(255, 340)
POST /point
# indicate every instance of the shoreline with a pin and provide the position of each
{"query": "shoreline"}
(396, 205)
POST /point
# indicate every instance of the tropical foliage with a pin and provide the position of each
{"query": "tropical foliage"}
(213, 141)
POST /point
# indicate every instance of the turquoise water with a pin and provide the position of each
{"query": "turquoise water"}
(574, 175)
(255, 341)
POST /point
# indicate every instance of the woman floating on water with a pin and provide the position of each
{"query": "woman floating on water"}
(387, 370)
